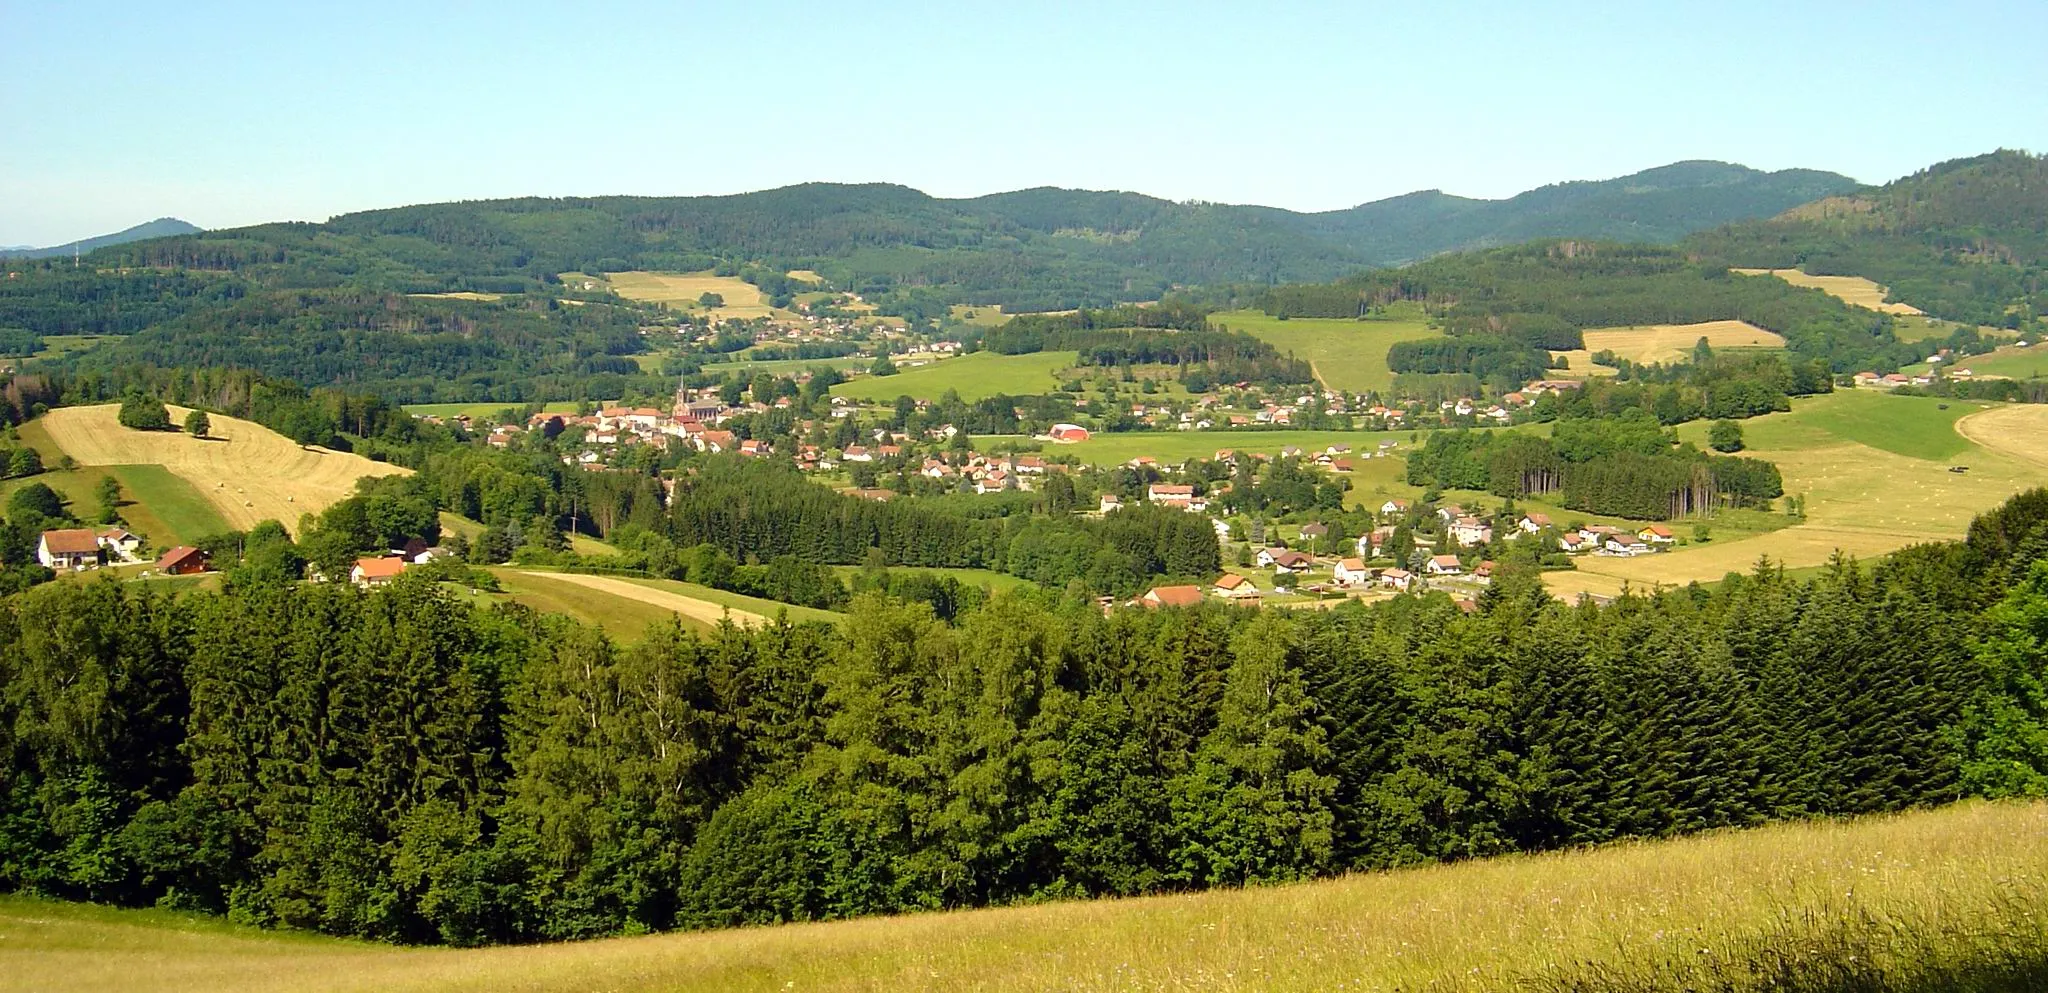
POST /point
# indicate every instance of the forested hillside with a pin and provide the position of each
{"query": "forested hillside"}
(1965, 240)
(401, 765)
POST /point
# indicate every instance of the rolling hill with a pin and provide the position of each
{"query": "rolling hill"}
(162, 227)
(1031, 249)
(1964, 240)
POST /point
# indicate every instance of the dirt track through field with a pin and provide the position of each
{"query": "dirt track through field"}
(247, 471)
(690, 607)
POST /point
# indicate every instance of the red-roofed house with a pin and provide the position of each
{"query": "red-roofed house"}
(1444, 565)
(1352, 572)
(1172, 596)
(183, 560)
(69, 548)
(375, 572)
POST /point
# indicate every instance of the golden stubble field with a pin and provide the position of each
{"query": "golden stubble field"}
(247, 471)
(743, 300)
(1860, 500)
(1853, 290)
(1675, 342)
(1477, 926)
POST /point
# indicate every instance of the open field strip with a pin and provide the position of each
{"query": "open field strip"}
(691, 608)
(1348, 355)
(163, 505)
(1675, 342)
(975, 377)
(247, 471)
(485, 408)
(1481, 926)
(681, 290)
(460, 295)
(1577, 364)
(1853, 290)
(995, 581)
(1862, 498)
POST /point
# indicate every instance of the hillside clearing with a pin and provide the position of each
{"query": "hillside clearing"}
(1874, 470)
(975, 377)
(701, 611)
(1650, 910)
(460, 295)
(1855, 291)
(485, 408)
(248, 472)
(1348, 355)
(2008, 361)
(681, 290)
(1675, 342)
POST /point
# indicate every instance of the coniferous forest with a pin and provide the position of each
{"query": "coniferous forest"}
(397, 764)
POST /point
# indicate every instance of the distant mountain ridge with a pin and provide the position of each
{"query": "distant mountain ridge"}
(1035, 249)
(162, 227)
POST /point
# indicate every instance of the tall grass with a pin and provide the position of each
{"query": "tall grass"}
(1943, 900)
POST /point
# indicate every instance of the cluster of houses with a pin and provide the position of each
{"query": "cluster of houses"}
(79, 549)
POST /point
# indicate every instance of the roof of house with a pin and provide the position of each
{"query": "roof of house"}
(71, 541)
(1351, 565)
(1315, 528)
(1291, 558)
(1394, 574)
(1174, 596)
(116, 534)
(1444, 561)
(180, 556)
(1231, 581)
(380, 568)
(1168, 489)
(1659, 530)
(1540, 520)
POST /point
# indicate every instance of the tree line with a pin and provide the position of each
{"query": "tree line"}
(399, 765)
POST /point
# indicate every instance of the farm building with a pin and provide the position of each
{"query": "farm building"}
(69, 548)
(1172, 596)
(375, 572)
(183, 560)
(1068, 434)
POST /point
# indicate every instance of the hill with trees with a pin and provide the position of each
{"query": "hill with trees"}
(1965, 240)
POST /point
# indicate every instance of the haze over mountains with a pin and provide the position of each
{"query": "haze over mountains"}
(162, 227)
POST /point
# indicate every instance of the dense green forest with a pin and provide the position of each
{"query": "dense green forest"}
(1623, 464)
(1965, 240)
(400, 765)
(1501, 306)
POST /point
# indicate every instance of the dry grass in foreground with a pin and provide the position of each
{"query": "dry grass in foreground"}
(1947, 899)
(247, 471)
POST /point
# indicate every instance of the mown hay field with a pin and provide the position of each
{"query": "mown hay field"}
(1943, 888)
(460, 295)
(247, 472)
(1855, 291)
(1874, 470)
(681, 290)
(1675, 342)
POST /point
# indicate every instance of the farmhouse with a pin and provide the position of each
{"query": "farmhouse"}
(1444, 565)
(1352, 572)
(1285, 560)
(1167, 495)
(183, 560)
(1172, 596)
(1469, 531)
(375, 572)
(1656, 534)
(1235, 587)
(69, 548)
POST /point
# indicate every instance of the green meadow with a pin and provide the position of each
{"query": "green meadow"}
(975, 377)
(1348, 355)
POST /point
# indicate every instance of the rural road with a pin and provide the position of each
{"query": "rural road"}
(690, 607)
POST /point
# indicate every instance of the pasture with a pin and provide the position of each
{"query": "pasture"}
(1950, 887)
(1855, 291)
(625, 619)
(247, 472)
(2009, 362)
(1347, 355)
(974, 377)
(681, 290)
(1675, 342)
(1578, 364)
(989, 578)
(988, 316)
(1874, 471)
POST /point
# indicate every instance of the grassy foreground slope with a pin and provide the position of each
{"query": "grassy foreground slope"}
(1935, 900)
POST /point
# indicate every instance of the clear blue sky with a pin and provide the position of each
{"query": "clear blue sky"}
(233, 113)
